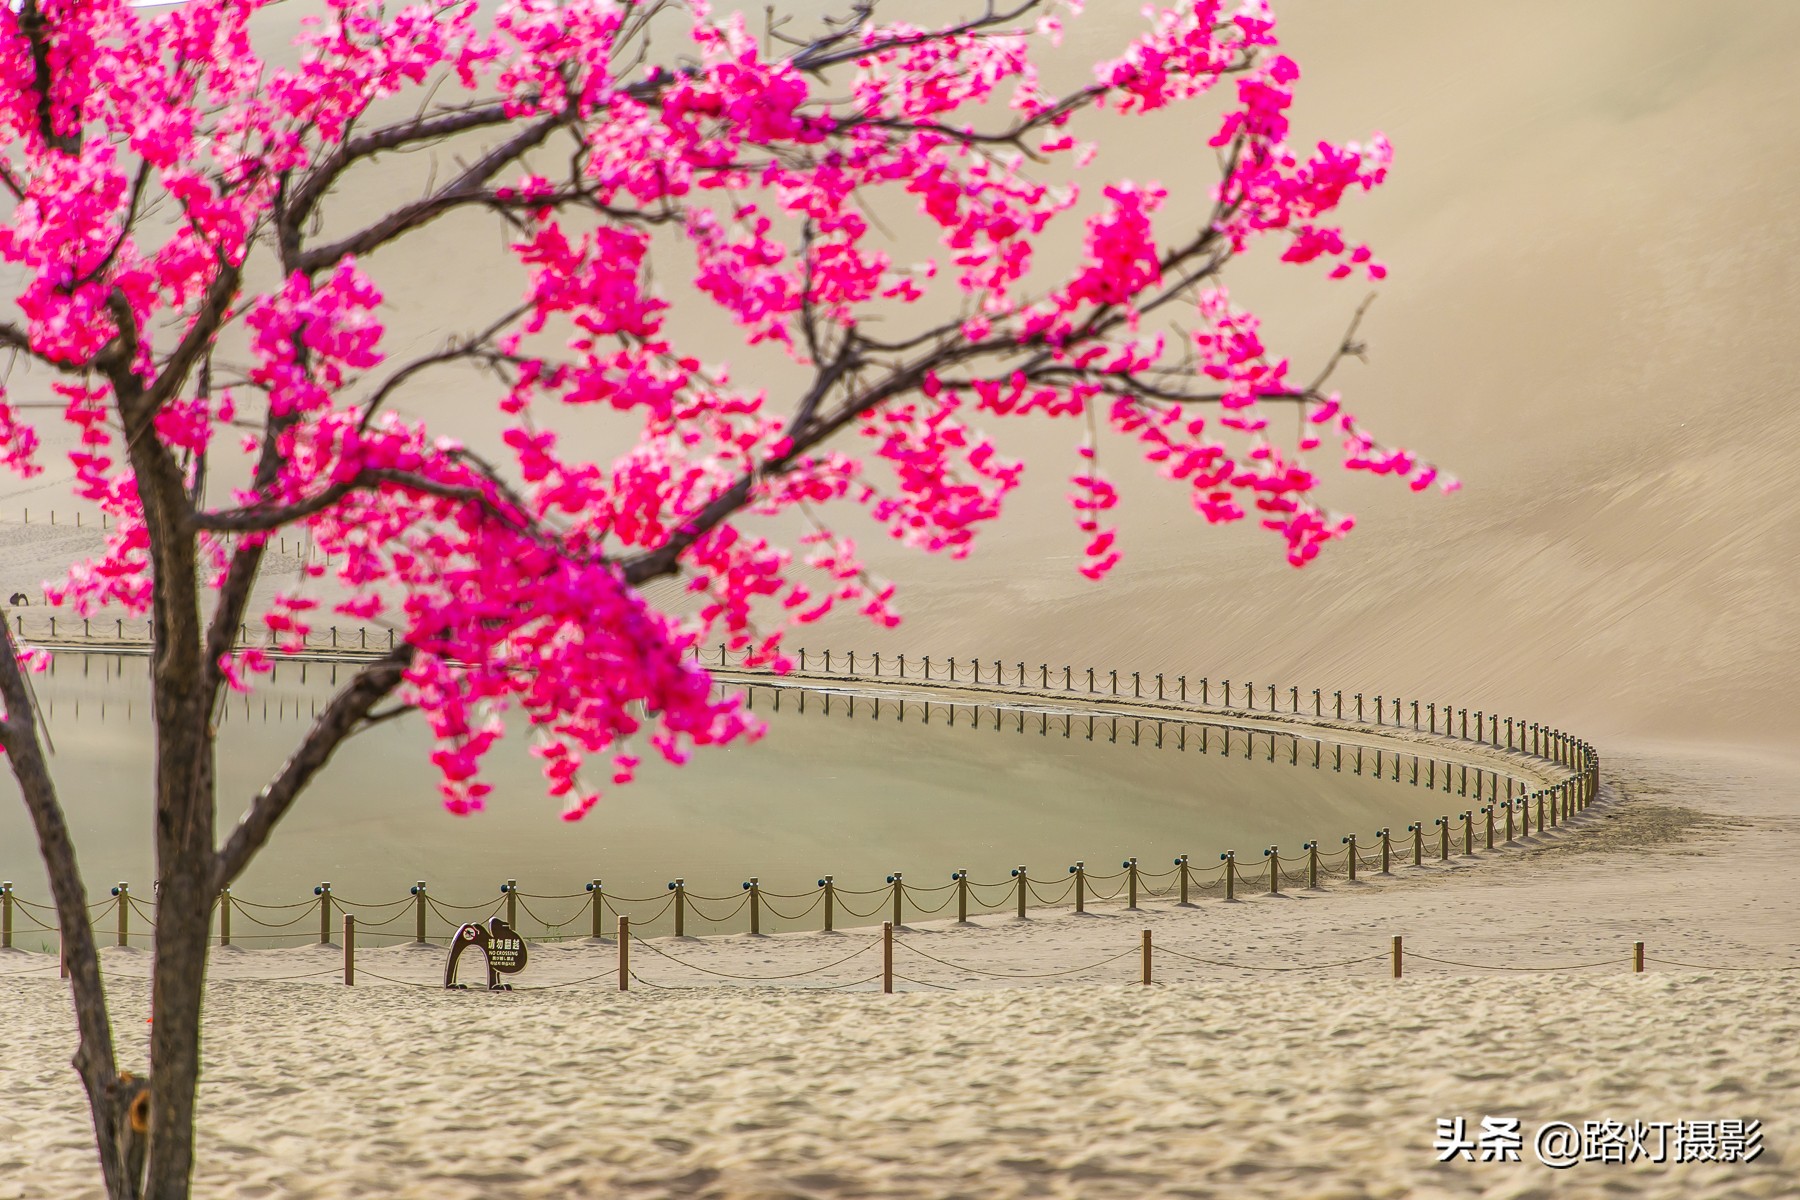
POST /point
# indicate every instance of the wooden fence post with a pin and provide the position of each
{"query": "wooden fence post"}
(624, 953)
(755, 889)
(597, 907)
(1146, 958)
(899, 890)
(1351, 857)
(418, 891)
(6, 907)
(887, 957)
(225, 916)
(1273, 854)
(1312, 865)
(1387, 850)
(1019, 874)
(679, 887)
(323, 892)
(1131, 877)
(1079, 871)
(123, 892)
(962, 896)
(349, 949)
(1637, 958)
(1397, 956)
(1229, 858)
(510, 889)
(1182, 863)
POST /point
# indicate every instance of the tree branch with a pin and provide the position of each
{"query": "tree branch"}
(417, 131)
(262, 518)
(94, 1056)
(468, 186)
(346, 712)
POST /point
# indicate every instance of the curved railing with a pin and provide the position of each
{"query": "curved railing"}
(1557, 776)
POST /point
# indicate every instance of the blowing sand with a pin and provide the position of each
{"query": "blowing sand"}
(1217, 1081)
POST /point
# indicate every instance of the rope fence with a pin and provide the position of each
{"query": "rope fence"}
(885, 944)
(1513, 809)
(587, 913)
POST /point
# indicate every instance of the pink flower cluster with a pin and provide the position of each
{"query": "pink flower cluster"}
(512, 574)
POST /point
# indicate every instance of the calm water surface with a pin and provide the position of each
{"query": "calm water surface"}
(852, 786)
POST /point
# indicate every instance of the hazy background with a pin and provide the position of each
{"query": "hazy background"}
(1589, 320)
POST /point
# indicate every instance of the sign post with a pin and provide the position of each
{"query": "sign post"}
(501, 946)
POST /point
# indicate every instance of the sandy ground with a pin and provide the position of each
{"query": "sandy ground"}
(1590, 319)
(982, 1080)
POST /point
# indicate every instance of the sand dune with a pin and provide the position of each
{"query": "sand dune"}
(1591, 320)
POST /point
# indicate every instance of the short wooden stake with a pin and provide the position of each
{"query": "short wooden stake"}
(1146, 957)
(349, 949)
(1397, 955)
(1387, 852)
(1230, 860)
(755, 890)
(624, 953)
(1079, 871)
(830, 887)
(1019, 874)
(900, 890)
(962, 896)
(1351, 857)
(887, 956)
(1131, 876)
(1637, 958)
(511, 890)
(1273, 854)
(1182, 863)
(679, 887)
(1312, 865)
(1417, 829)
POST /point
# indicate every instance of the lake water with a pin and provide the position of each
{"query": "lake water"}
(851, 785)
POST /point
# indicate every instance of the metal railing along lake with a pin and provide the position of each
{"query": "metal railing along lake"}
(1559, 777)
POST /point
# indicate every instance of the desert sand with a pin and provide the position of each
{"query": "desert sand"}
(1590, 319)
(1324, 1077)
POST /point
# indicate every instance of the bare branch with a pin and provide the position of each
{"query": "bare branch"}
(262, 519)
(20, 738)
(346, 712)
(470, 185)
(415, 132)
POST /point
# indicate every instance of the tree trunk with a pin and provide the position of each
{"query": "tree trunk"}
(184, 917)
(185, 863)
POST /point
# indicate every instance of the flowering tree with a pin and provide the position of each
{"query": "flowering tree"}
(154, 167)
